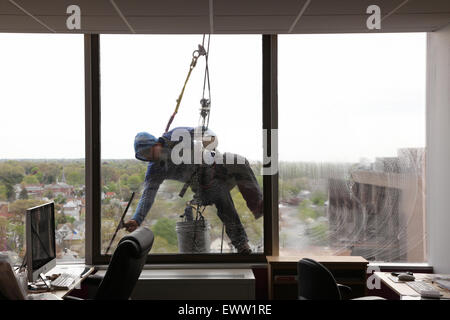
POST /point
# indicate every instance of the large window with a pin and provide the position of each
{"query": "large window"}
(141, 78)
(42, 138)
(352, 145)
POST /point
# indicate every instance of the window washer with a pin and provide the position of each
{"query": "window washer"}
(210, 183)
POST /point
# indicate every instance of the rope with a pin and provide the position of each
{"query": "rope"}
(195, 56)
(204, 113)
(206, 103)
(191, 67)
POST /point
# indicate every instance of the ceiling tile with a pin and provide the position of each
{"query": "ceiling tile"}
(416, 22)
(349, 7)
(257, 7)
(173, 25)
(59, 7)
(332, 23)
(252, 23)
(7, 8)
(425, 6)
(20, 23)
(164, 7)
(89, 24)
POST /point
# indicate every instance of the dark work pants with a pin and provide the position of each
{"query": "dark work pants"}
(214, 186)
(219, 195)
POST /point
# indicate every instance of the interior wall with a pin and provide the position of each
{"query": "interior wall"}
(438, 149)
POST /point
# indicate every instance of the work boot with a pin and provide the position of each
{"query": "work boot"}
(259, 210)
(244, 249)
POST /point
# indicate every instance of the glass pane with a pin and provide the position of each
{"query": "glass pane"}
(142, 77)
(42, 138)
(352, 145)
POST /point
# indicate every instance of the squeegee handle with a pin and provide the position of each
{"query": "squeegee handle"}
(120, 225)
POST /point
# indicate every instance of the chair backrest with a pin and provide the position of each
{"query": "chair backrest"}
(126, 265)
(315, 282)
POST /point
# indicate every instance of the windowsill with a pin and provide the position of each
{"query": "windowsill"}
(174, 266)
(402, 266)
(187, 274)
(381, 265)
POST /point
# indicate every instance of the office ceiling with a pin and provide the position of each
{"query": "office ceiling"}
(222, 16)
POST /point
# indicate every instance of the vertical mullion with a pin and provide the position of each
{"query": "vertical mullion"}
(92, 147)
(270, 121)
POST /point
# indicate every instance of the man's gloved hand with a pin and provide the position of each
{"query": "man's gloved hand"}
(131, 225)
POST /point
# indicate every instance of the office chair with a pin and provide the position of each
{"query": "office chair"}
(315, 282)
(124, 268)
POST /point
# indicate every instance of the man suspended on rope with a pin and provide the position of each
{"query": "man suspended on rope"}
(212, 186)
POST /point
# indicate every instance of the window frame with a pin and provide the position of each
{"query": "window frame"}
(269, 106)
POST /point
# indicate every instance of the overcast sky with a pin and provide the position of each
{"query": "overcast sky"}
(341, 97)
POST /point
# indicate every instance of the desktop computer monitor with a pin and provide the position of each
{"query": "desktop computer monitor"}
(40, 240)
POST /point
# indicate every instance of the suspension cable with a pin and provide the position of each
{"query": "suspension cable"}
(195, 56)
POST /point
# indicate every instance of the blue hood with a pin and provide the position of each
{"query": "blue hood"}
(143, 141)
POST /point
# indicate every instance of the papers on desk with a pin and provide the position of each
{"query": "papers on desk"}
(443, 283)
(43, 296)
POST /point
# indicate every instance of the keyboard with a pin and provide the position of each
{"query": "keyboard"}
(65, 280)
(425, 289)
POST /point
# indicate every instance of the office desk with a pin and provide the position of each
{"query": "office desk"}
(404, 291)
(61, 293)
(347, 270)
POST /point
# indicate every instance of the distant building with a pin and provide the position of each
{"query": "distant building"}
(109, 195)
(66, 233)
(34, 190)
(381, 214)
(4, 212)
(60, 188)
(72, 208)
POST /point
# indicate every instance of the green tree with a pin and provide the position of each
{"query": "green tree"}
(165, 228)
(49, 194)
(70, 219)
(50, 172)
(110, 187)
(23, 193)
(134, 182)
(30, 179)
(124, 178)
(74, 175)
(3, 192)
(19, 207)
(60, 218)
(125, 193)
(9, 176)
(60, 199)
(35, 171)
(161, 245)
(109, 173)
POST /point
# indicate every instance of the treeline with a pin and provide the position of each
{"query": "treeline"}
(38, 172)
